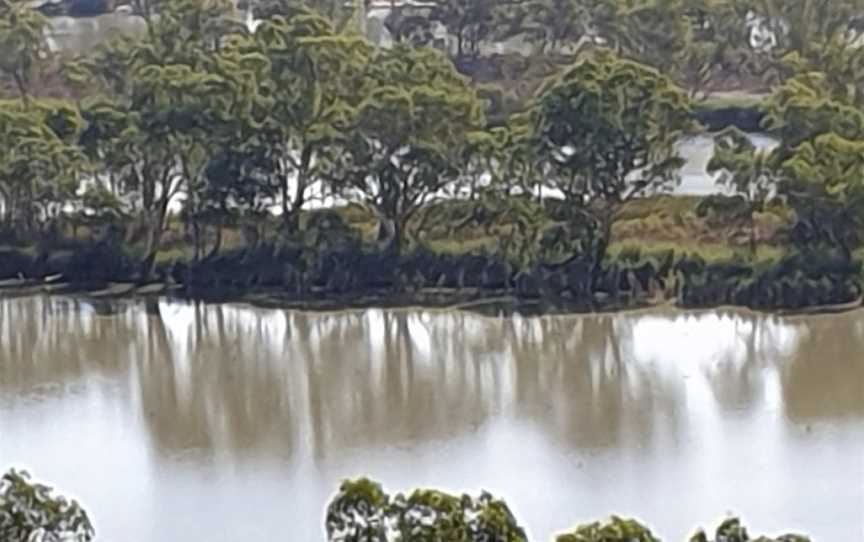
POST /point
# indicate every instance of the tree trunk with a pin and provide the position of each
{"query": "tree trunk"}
(4, 205)
(291, 213)
(292, 219)
(389, 234)
(22, 87)
(196, 239)
(283, 188)
(601, 244)
(753, 235)
(217, 245)
(155, 229)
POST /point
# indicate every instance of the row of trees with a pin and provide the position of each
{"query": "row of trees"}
(202, 113)
(360, 511)
(696, 42)
(230, 122)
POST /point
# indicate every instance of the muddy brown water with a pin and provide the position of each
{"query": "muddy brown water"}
(177, 421)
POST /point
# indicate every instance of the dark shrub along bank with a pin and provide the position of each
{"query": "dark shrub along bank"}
(295, 274)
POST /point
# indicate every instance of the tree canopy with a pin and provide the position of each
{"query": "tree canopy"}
(608, 129)
(204, 127)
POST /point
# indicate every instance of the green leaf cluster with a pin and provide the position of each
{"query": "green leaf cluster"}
(31, 511)
(362, 511)
(608, 128)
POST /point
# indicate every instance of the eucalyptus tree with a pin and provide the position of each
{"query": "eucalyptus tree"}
(315, 80)
(362, 511)
(755, 38)
(470, 22)
(344, 15)
(820, 124)
(409, 24)
(407, 139)
(556, 25)
(221, 109)
(33, 511)
(825, 186)
(235, 193)
(750, 172)
(818, 115)
(502, 175)
(719, 45)
(23, 43)
(615, 529)
(607, 129)
(41, 162)
(653, 32)
(797, 26)
(164, 103)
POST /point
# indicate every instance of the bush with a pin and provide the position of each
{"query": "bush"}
(31, 512)
(363, 512)
(615, 530)
(731, 530)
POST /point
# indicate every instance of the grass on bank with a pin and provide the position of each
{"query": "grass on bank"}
(732, 100)
(649, 226)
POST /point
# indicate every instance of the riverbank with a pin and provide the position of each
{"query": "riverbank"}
(491, 303)
(665, 251)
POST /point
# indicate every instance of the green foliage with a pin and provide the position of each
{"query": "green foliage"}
(820, 123)
(606, 133)
(553, 25)
(361, 511)
(731, 530)
(30, 511)
(764, 39)
(799, 26)
(471, 22)
(169, 103)
(200, 113)
(40, 164)
(316, 86)
(808, 105)
(719, 44)
(614, 530)
(340, 13)
(22, 40)
(408, 136)
(826, 187)
(749, 172)
(357, 513)
(608, 128)
(653, 32)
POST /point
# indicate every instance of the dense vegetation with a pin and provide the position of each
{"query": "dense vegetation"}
(162, 156)
(360, 512)
(30, 511)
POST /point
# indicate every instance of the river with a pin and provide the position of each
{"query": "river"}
(177, 421)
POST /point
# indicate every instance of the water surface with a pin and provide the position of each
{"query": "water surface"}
(176, 421)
